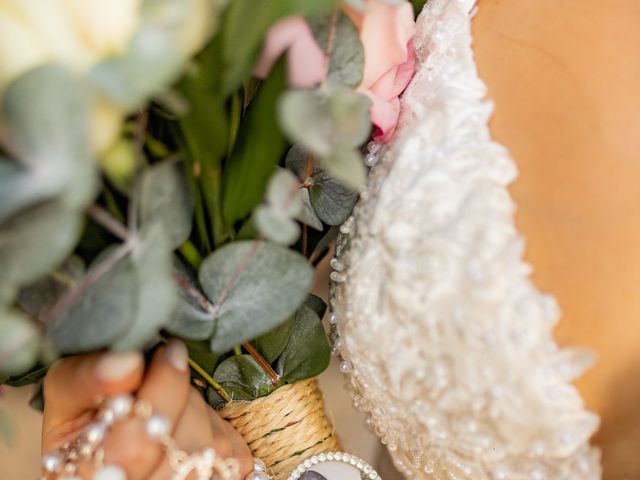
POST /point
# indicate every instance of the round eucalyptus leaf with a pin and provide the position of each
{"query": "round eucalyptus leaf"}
(165, 199)
(345, 164)
(282, 192)
(305, 119)
(101, 314)
(332, 201)
(275, 225)
(19, 343)
(54, 153)
(346, 58)
(156, 290)
(255, 286)
(307, 353)
(349, 112)
(308, 215)
(37, 240)
(271, 344)
(242, 378)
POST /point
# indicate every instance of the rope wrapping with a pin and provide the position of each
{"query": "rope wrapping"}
(284, 428)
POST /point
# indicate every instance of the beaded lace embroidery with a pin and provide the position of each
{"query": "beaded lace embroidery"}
(448, 341)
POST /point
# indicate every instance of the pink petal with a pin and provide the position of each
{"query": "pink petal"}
(393, 83)
(384, 116)
(307, 64)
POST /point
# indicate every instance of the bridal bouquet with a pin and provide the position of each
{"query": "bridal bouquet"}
(177, 167)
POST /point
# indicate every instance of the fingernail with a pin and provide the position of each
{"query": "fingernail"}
(116, 366)
(177, 354)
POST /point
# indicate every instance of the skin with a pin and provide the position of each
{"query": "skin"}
(72, 389)
(565, 78)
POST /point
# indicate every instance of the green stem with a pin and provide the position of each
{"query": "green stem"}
(191, 254)
(237, 350)
(210, 182)
(209, 379)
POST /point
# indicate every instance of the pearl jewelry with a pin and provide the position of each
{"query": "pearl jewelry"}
(52, 462)
(120, 405)
(257, 476)
(95, 432)
(110, 472)
(157, 426)
(259, 465)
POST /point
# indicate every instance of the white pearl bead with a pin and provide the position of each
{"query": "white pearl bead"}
(121, 405)
(257, 476)
(110, 472)
(51, 462)
(95, 432)
(259, 465)
(370, 160)
(157, 426)
(345, 366)
(333, 319)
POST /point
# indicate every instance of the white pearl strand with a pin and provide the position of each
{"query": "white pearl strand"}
(63, 465)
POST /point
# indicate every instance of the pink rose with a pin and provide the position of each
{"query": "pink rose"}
(306, 62)
(386, 32)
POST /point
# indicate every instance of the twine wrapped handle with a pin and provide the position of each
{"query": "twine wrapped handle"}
(284, 428)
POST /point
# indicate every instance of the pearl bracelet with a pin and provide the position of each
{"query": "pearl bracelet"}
(87, 447)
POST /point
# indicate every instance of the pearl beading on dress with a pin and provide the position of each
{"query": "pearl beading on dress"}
(446, 343)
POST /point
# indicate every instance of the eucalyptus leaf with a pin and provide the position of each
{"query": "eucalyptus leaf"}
(214, 400)
(37, 240)
(151, 62)
(345, 164)
(165, 199)
(255, 286)
(275, 226)
(331, 200)
(308, 353)
(271, 344)
(305, 119)
(37, 399)
(242, 378)
(55, 153)
(19, 343)
(349, 112)
(308, 215)
(156, 290)
(316, 304)
(346, 58)
(102, 313)
(191, 319)
(43, 294)
(281, 193)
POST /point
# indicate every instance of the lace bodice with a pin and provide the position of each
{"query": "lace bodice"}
(448, 341)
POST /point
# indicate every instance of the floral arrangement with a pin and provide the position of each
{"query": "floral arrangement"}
(177, 168)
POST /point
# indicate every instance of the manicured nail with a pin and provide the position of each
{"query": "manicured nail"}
(116, 366)
(177, 354)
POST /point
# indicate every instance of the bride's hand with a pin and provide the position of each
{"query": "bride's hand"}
(74, 385)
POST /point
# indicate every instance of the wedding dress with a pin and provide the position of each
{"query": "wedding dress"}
(447, 343)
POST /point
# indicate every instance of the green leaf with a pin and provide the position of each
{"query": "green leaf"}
(41, 295)
(242, 378)
(19, 343)
(258, 150)
(271, 345)
(152, 61)
(165, 199)
(191, 319)
(37, 399)
(307, 215)
(308, 353)
(156, 290)
(54, 153)
(245, 27)
(102, 314)
(255, 286)
(37, 240)
(34, 375)
(346, 58)
(329, 126)
(316, 304)
(346, 165)
(330, 199)
(274, 218)
(200, 352)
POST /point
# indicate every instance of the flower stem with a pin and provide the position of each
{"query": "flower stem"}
(209, 379)
(275, 378)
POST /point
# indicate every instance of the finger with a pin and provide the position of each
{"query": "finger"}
(74, 385)
(240, 450)
(166, 389)
(192, 433)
